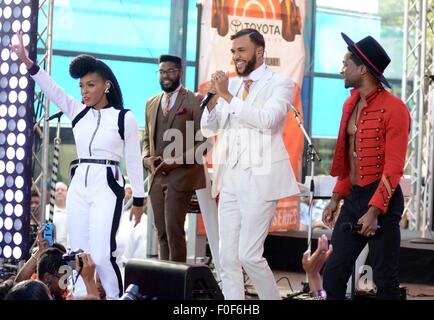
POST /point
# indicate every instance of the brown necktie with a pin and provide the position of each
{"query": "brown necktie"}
(247, 84)
(165, 108)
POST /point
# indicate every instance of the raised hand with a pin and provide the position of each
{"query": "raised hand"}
(43, 244)
(20, 50)
(313, 264)
(220, 82)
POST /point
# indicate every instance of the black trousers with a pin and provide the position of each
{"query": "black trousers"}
(383, 247)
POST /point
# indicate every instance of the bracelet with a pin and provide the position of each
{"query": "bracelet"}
(318, 295)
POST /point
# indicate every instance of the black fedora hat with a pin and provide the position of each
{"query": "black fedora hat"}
(372, 54)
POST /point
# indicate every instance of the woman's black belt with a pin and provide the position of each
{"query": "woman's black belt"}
(97, 161)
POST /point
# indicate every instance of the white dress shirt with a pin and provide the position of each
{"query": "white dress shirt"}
(172, 98)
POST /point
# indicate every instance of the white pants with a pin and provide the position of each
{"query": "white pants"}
(94, 205)
(209, 210)
(244, 221)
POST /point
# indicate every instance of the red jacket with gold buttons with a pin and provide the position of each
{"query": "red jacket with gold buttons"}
(381, 144)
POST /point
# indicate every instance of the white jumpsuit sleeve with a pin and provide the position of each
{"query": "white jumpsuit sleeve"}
(133, 159)
(69, 105)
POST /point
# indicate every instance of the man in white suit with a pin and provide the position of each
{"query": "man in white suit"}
(251, 167)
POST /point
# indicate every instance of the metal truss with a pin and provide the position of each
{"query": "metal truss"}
(417, 92)
(41, 127)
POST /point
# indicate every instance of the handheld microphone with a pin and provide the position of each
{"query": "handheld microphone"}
(206, 100)
(132, 293)
(56, 115)
(352, 227)
(294, 109)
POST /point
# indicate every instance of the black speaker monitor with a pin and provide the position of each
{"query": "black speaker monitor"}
(167, 280)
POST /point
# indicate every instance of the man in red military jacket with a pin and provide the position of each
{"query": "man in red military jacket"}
(369, 162)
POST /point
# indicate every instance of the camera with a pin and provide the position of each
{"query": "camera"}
(157, 162)
(69, 258)
(132, 293)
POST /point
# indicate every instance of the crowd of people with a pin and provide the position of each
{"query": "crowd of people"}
(46, 271)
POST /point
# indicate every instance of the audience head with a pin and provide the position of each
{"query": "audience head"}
(34, 207)
(5, 287)
(96, 72)
(29, 290)
(60, 193)
(48, 269)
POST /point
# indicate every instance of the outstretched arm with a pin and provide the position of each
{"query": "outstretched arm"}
(69, 105)
(29, 267)
(313, 264)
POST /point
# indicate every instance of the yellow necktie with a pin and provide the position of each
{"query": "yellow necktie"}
(247, 84)
(167, 104)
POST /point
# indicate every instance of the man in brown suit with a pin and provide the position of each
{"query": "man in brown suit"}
(172, 119)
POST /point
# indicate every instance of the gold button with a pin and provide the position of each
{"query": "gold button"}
(385, 204)
(378, 138)
(362, 121)
(360, 159)
(377, 175)
(365, 113)
(361, 168)
(360, 140)
(378, 157)
(360, 149)
(378, 129)
(378, 165)
(379, 119)
(382, 110)
(360, 131)
(378, 148)
(361, 177)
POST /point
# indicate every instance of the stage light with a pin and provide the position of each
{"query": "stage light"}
(16, 123)
(19, 182)
(3, 124)
(18, 212)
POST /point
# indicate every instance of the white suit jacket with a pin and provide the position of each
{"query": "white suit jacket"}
(256, 141)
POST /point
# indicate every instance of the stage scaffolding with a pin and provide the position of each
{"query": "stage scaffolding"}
(41, 127)
(417, 92)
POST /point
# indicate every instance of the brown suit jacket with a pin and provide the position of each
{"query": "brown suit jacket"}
(190, 176)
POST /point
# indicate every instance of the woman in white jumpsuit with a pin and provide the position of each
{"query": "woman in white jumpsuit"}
(103, 131)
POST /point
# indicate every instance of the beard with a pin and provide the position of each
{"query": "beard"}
(250, 66)
(351, 84)
(175, 84)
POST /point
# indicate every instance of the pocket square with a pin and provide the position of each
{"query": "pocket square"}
(180, 111)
